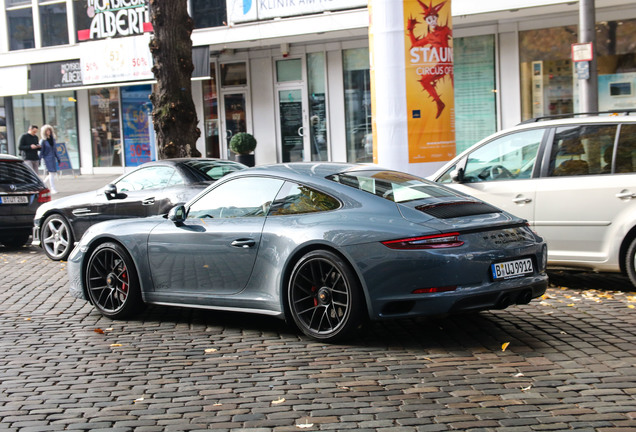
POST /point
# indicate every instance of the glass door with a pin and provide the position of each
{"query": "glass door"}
(234, 117)
(293, 120)
(291, 114)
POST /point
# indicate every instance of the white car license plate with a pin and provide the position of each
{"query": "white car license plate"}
(512, 269)
(14, 200)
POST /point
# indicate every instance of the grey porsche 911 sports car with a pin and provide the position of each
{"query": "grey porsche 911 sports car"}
(323, 245)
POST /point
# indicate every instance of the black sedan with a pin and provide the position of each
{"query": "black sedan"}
(151, 189)
(21, 193)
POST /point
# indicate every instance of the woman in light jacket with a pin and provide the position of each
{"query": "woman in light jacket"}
(48, 153)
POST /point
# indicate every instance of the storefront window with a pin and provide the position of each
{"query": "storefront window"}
(475, 103)
(317, 106)
(105, 127)
(60, 112)
(211, 112)
(20, 22)
(139, 135)
(234, 74)
(357, 87)
(53, 24)
(27, 111)
(549, 82)
(208, 13)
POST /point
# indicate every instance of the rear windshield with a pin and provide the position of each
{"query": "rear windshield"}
(391, 185)
(17, 173)
(205, 170)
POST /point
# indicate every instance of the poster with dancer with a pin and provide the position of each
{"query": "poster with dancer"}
(429, 80)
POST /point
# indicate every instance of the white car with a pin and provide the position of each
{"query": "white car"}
(572, 177)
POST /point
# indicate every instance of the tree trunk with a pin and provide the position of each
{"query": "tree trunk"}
(174, 115)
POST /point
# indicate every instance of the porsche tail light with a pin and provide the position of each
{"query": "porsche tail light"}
(44, 196)
(439, 241)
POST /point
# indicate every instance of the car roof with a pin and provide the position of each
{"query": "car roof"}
(309, 169)
(8, 157)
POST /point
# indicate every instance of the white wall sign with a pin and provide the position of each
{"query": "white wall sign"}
(112, 60)
(13, 81)
(253, 10)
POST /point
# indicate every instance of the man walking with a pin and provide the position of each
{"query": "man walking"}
(29, 146)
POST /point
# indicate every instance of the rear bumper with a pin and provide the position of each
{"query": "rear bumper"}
(464, 299)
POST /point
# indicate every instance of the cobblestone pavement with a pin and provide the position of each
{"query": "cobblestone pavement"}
(569, 364)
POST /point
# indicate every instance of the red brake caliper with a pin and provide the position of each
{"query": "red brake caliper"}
(313, 290)
(124, 277)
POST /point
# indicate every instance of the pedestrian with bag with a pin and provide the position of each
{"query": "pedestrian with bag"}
(29, 146)
(48, 153)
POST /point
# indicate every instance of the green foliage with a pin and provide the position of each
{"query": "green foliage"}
(242, 143)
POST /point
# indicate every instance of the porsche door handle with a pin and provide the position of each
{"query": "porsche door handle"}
(243, 243)
(148, 201)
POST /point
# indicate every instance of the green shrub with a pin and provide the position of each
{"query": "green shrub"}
(242, 143)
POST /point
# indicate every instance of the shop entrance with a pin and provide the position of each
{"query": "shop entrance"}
(291, 110)
(234, 117)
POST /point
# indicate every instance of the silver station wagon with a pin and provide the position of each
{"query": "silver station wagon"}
(573, 177)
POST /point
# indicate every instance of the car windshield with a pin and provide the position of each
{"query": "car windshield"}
(391, 185)
(206, 170)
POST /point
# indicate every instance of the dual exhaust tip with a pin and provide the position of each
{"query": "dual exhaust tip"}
(521, 298)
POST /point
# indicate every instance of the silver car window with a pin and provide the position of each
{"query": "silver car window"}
(241, 197)
(625, 160)
(582, 150)
(509, 157)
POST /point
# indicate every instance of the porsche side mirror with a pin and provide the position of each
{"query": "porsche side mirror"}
(111, 191)
(177, 215)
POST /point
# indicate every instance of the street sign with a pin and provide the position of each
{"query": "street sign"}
(582, 52)
(583, 70)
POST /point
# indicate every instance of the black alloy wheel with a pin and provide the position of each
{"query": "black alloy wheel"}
(324, 296)
(56, 237)
(112, 282)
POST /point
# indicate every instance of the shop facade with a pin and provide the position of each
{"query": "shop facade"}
(297, 79)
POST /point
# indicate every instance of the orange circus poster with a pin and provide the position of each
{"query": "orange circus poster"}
(430, 100)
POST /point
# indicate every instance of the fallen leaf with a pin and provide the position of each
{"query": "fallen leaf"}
(109, 329)
(518, 375)
(562, 332)
(217, 404)
(571, 305)
(98, 330)
(211, 350)
(278, 401)
(304, 425)
(631, 306)
(27, 319)
(139, 399)
(115, 345)
(526, 388)
(504, 346)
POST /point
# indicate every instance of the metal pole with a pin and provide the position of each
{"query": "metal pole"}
(588, 88)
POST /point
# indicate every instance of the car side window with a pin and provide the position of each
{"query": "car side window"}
(509, 157)
(447, 176)
(146, 178)
(297, 199)
(582, 150)
(625, 159)
(242, 197)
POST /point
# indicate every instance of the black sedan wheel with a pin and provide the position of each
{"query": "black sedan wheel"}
(112, 282)
(56, 237)
(324, 296)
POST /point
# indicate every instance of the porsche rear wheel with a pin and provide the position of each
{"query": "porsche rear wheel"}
(112, 282)
(324, 296)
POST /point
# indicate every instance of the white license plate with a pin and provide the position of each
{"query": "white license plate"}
(14, 200)
(512, 269)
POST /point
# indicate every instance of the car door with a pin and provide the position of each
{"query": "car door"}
(141, 193)
(214, 250)
(501, 172)
(578, 199)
